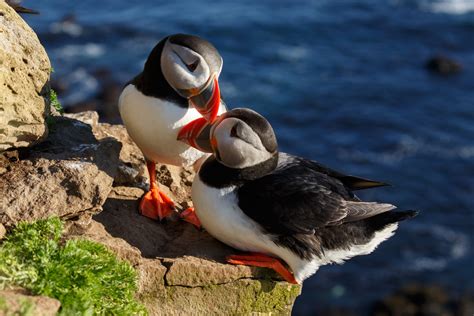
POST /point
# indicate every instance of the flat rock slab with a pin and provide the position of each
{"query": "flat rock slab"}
(69, 173)
(19, 302)
(24, 82)
(182, 270)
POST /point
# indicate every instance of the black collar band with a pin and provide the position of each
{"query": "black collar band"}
(216, 175)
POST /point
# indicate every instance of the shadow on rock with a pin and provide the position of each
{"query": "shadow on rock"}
(170, 238)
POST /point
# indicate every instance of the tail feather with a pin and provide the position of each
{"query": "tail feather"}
(358, 183)
(380, 221)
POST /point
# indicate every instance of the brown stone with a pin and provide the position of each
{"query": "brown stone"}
(17, 302)
(70, 173)
(3, 231)
(24, 87)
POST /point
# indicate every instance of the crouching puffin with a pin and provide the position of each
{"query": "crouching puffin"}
(179, 83)
(278, 206)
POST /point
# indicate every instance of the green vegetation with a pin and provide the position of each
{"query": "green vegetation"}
(84, 276)
(3, 305)
(53, 98)
(26, 308)
(54, 102)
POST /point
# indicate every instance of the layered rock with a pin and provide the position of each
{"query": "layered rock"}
(24, 75)
(68, 174)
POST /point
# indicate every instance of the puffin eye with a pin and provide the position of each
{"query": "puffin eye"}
(193, 66)
(233, 131)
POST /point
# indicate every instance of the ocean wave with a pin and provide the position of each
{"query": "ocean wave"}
(85, 86)
(293, 53)
(450, 6)
(91, 50)
(409, 147)
(450, 245)
(71, 29)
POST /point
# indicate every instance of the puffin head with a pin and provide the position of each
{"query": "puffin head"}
(191, 66)
(239, 138)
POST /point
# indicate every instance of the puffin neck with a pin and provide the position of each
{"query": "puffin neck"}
(151, 81)
(215, 174)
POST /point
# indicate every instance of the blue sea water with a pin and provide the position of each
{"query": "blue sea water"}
(342, 82)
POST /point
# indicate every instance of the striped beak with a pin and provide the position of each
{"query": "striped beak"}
(208, 101)
(197, 134)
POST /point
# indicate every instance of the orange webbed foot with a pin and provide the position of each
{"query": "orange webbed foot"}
(264, 261)
(189, 215)
(156, 205)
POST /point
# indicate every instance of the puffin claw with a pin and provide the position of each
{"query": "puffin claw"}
(156, 205)
(189, 215)
(264, 261)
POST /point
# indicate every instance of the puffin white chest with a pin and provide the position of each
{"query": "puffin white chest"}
(220, 215)
(153, 124)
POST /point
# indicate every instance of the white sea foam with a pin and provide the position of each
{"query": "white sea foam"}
(88, 50)
(293, 53)
(67, 27)
(451, 6)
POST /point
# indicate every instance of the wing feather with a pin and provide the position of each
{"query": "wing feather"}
(297, 198)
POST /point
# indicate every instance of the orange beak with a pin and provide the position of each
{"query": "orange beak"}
(208, 107)
(196, 134)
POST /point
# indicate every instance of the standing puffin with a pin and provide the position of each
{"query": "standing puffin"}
(275, 205)
(178, 84)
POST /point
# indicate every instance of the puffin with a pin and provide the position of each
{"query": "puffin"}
(178, 85)
(286, 212)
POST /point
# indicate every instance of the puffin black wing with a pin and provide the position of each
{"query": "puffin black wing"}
(352, 182)
(298, 198)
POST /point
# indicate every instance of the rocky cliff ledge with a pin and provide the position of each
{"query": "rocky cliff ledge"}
(93, 175)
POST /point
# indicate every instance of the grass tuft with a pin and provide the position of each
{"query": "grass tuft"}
(53, 98)
(84, 276)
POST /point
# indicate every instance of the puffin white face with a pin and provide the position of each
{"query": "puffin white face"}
(236, 145)
(184, 69)
(239, 138)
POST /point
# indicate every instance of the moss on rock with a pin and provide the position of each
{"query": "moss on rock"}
(83, 275)
(240, 297)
